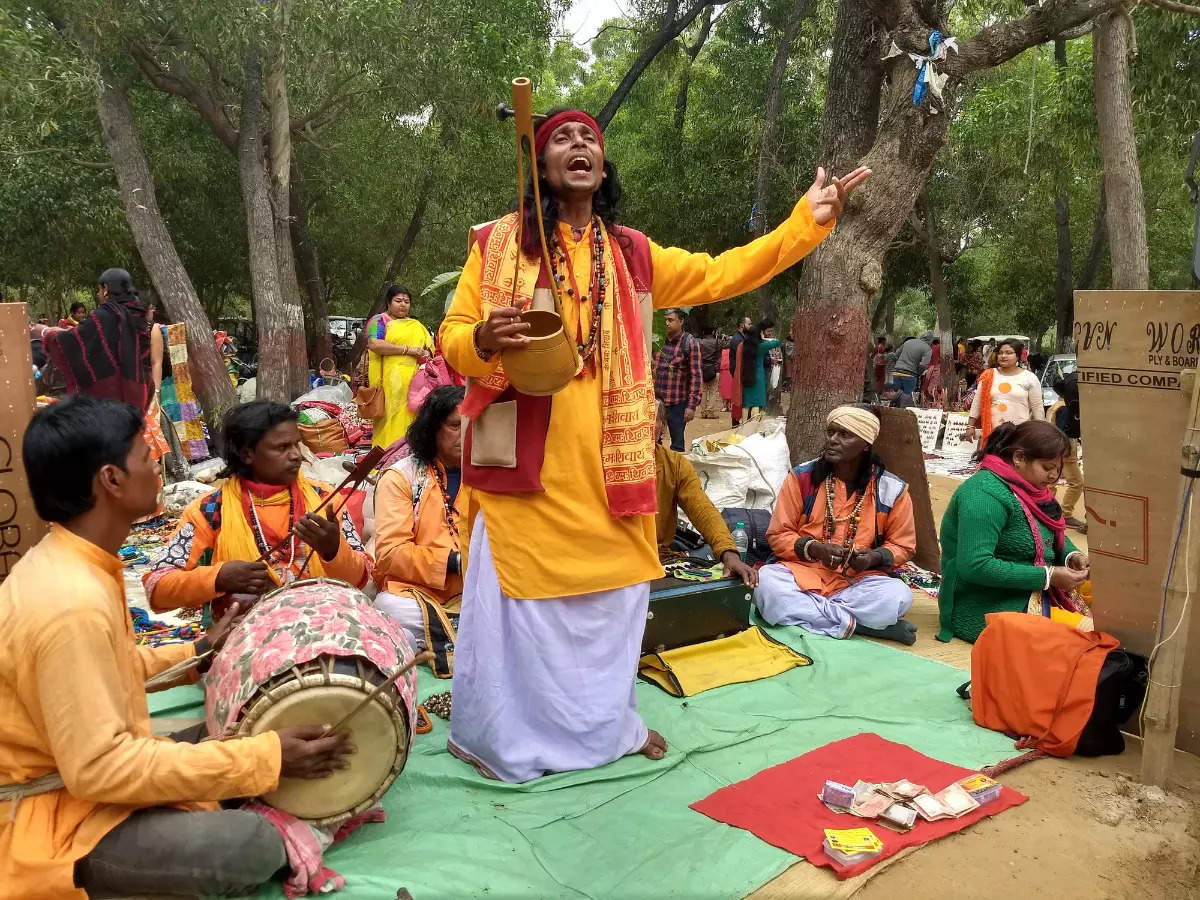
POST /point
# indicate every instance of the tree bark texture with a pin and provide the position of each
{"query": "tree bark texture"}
(830, 325)
(768, 146)
(1111, 44)
(941, 300)
(898, 141)
(1095, 256)
(1064, 281)
(157, 250)
(308, 263)
(281, 350)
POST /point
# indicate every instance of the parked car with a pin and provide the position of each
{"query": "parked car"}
(345, 327)
(1056, 367)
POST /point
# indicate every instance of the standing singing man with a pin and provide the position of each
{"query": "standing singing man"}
(562, 501)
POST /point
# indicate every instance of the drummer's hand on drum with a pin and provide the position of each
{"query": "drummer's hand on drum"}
(305, 754)
(320, 533)
(501, 330)
(240, 577)
(215, 637)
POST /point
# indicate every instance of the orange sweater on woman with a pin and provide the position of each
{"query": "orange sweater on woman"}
(413, 540)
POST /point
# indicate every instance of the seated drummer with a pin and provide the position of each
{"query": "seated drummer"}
(89, 800)
(841, 525)
(679, 486)
(418, 554)
(214, 551)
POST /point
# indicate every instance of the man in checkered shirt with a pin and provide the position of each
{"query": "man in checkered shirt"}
(678, 377)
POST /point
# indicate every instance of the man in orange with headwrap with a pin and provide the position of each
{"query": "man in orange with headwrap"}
(561, 507)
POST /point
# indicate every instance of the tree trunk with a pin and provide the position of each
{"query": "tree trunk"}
(941, 301)
(1064, 281)
(672, 26)
(685, 78)
(877, 317)
(1111, 43)
(157, 250)
(767, 147)
(309, 265)
(280, 166)
(281, 351)
(407, 240)
(1091, 264)
(830, 325)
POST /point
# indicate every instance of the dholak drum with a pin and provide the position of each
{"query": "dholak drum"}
(307, 654)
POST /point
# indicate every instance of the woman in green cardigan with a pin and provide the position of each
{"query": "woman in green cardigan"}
(1004, 536)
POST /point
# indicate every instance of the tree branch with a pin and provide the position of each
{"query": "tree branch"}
(174, 79)
(1173, 6)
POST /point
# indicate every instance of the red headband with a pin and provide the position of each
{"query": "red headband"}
(542, 136)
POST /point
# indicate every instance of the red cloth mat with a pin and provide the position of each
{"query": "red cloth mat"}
(781, 804)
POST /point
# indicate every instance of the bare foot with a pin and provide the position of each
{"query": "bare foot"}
(655, 746)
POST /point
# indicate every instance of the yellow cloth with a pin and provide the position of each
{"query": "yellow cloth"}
(679, 486)
(746, 656)
(563, 541)
(395, 374)
(73, 700)
(236, 540)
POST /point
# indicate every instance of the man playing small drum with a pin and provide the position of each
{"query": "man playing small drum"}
(215, 550)
(89, 800)
(562, 496)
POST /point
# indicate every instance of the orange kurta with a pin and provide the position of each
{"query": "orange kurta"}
(185, 573)
(414, 552)
(563, 541)
(73, 700)
(789, 524)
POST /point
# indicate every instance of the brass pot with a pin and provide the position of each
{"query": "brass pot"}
(548, 362)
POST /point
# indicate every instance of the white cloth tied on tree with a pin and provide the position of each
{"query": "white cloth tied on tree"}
(928, 78)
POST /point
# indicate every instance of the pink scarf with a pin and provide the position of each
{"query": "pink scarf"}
(1034, 503)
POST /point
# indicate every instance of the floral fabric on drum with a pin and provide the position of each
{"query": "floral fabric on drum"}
(296, 625)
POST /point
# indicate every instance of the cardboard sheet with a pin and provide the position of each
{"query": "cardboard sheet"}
(20, 527)
(899, 446)
(1132, 346)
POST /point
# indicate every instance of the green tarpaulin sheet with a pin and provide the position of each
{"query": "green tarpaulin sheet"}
(625, 830)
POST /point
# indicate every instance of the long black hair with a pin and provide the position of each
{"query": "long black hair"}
(422, 434)
(1038, 439)
(604, 203)
(754, 337)
(245, 426)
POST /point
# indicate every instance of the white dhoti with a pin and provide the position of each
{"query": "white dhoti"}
(875, 601)
(406, 611)
(543, 686)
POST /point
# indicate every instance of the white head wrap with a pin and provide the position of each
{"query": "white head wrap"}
(860, 422)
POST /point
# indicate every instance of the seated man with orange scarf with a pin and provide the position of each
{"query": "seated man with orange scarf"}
(418, 563)
(842, 523)
(213, 555)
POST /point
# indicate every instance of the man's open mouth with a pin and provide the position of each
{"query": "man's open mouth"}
(579, 164)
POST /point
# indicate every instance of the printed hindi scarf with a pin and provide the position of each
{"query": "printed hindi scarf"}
(108, 353)
(236, 539)
(1038, 505)
(627, 395)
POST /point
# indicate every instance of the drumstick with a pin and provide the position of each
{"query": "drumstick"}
(361, 471)
(166, 676)
(424, 656)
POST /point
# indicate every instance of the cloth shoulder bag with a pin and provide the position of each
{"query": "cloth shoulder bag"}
(367, 397)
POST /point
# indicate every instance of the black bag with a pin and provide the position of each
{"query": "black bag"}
(1120, 690)
(756, 522)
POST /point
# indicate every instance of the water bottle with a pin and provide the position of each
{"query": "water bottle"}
(741, 540)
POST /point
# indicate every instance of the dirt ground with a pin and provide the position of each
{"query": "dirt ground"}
(1089, 830)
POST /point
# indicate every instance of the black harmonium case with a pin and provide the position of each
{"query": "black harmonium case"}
(690, 612)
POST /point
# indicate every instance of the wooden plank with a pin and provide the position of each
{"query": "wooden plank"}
(899, 446)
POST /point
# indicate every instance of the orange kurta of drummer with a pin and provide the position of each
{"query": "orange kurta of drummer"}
(563, 541)
(73, 700)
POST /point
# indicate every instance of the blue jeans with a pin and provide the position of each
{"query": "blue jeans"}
(676, 424)
(905, 384)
